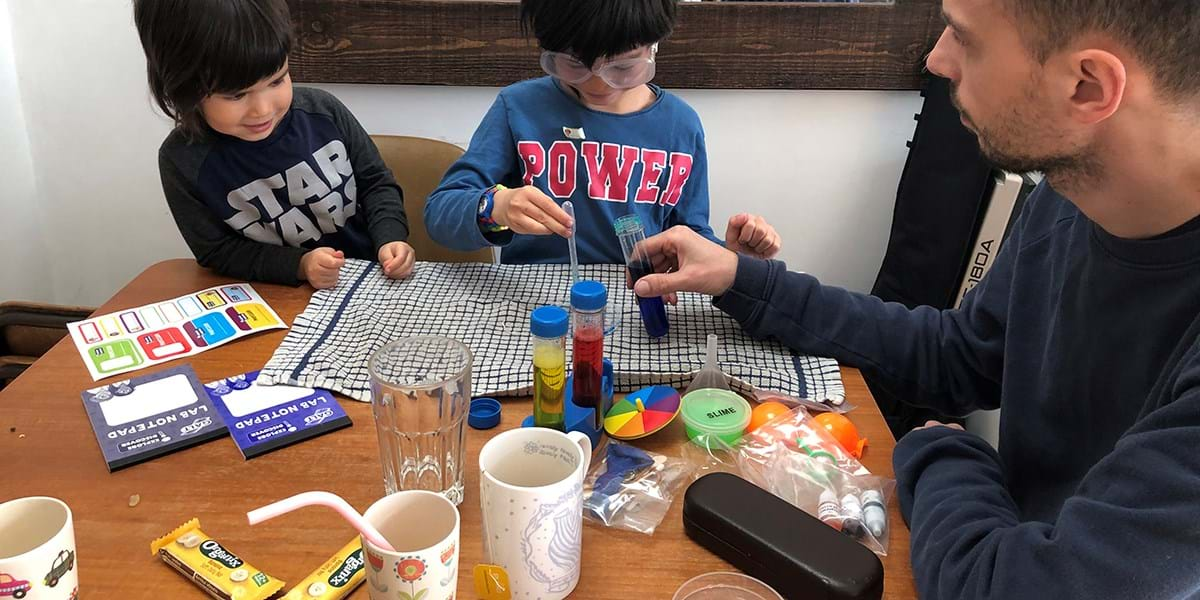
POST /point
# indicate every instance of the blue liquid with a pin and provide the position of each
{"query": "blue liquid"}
(654, 313)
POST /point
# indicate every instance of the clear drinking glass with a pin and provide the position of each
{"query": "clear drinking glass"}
(420, 394)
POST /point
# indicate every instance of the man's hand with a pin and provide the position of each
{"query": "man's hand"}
(397, 259)
(751, 235)
(320, 267)
(528, 210)
(685, 262)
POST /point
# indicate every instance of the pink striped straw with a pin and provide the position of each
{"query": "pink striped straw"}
(327, 500)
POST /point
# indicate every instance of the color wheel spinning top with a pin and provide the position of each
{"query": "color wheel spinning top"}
(642, 413)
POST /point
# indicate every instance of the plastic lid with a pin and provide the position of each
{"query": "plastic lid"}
(548, 322)
(484, 413)
(589, 295)
(628, 224)
(712, 410)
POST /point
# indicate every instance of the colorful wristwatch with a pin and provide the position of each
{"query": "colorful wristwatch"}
(486, 204)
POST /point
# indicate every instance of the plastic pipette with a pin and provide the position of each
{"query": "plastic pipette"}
(570, 210)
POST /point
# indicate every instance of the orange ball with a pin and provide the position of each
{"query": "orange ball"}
(843, 431)
(764, 413)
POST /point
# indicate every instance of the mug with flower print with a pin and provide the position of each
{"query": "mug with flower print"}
(423, 528)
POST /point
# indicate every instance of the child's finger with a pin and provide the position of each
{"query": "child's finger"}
(552, 216)
(552, 225)
(406, 265)
(733, 229)
(389, 266)
(759, 235)
(530, 225)
(748, 231)
(672, 298)
(768, 245)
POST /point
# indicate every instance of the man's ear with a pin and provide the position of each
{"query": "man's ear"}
(1099, 85)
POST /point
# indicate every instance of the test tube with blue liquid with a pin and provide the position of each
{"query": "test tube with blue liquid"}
(654, 313)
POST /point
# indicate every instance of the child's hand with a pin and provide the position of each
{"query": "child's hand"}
(320, 267)
(752, 235)
(527, 210)
(397, 259)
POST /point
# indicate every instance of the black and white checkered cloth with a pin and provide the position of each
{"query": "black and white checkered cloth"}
(487, 307)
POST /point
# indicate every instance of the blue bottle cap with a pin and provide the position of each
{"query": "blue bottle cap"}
(548, 322)
(484, 413)
(589, 295)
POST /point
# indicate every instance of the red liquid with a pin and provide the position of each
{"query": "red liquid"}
(589, 368)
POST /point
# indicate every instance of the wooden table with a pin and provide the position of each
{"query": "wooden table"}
(48, 448)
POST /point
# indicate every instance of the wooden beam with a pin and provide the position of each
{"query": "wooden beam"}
(740, 45)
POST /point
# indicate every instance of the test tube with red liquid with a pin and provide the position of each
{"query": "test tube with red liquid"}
(588, 300)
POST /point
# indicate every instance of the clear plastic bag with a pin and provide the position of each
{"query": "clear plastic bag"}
(797, 460)
(711, 454)
(837, 405)
(632, 489)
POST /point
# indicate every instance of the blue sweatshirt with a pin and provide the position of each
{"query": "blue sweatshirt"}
(1089, 343)
(651, 163)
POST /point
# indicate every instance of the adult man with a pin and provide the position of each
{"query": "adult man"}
(1085, 330)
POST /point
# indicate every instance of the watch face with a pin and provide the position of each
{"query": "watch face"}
(482, 204)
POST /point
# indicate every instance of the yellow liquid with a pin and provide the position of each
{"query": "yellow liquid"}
(549, 382)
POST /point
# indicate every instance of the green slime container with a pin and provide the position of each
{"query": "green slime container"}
(716, 412)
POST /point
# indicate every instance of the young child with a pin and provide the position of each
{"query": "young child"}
(595, 132)
(265, 182)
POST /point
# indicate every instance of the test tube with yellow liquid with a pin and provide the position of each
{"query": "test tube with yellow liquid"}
(548, 326)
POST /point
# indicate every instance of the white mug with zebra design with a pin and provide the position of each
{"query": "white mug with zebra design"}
(531, 495)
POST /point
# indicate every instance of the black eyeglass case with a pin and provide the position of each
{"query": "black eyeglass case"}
(783, 546)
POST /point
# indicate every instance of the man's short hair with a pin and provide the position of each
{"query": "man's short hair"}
(1163, 34)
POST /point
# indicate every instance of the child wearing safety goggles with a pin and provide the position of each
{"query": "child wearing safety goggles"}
(594, 131)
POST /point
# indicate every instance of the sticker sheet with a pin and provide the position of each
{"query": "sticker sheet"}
(144, 417)
(137, 338)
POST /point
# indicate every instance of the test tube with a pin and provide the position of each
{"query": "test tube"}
(548, 327)
(588, 299)
(654, 313)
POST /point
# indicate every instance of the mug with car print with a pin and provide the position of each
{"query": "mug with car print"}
(37, 550)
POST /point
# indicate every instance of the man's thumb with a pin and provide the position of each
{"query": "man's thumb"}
(658, 284)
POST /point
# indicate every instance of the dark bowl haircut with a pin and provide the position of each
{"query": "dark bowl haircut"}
(593, 29)
(196, 48)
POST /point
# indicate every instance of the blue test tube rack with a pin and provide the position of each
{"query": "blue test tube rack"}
(577, 418)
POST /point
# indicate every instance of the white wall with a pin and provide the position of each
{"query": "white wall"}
(94, 141)
(822, 166)
(22, 258)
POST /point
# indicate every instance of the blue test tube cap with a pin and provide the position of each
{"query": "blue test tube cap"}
(589, 295)
(484, 413)
(548, 322)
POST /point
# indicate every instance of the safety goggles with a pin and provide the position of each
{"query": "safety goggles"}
(622, 74)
